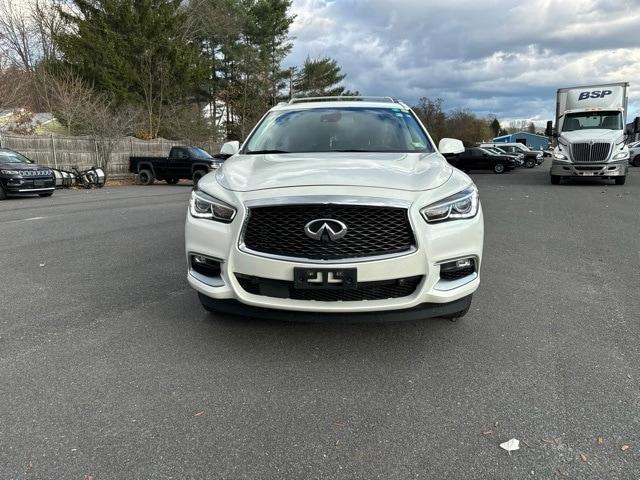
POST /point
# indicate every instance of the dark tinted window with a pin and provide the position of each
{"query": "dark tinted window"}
(359, 129)
(13, 157)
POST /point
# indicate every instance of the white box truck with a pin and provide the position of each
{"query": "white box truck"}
(590, 133)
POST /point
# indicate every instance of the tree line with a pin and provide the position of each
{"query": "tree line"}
(462, 124)
(179, 69)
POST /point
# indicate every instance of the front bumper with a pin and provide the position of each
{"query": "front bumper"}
(419, 312)
(611, 169)
(436, 243)
(28, 186)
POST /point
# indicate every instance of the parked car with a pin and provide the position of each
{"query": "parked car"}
(21, 176)
(634, 154)
(531, 157)
(519, 158)
(183, 162)
(476, 158)
(336, 208)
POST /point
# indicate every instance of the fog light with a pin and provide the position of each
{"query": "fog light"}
(456, 269)
(209, 267)
(464, 263)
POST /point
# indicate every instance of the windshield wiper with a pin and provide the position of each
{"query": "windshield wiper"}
(257, 152)
(353, 150)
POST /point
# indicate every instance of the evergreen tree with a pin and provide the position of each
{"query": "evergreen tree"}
(135, 52)
(318, 78)
(495, 127)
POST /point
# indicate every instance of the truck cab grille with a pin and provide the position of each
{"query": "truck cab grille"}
(590, 152)
(371, 231)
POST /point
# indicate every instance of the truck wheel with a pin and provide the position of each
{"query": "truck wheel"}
(3, 194)
(621, 180)
(145, 177)
(498, 168)
(636, 161)
(197, 175)
(555, 179)
(172, 181)
(530, 163)
(45, 194)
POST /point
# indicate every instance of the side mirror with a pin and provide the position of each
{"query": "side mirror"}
(636, 125)
(450, 146)
(549, 130)
(230, 148)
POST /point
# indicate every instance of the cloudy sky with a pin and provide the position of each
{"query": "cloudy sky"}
(506, 58)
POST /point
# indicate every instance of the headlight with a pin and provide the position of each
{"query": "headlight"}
(621, 155)
(10, 172)
(463, 204)
(539, 155)
(202, 205)
(559, 156)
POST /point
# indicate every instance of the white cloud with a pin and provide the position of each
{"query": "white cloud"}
(493, 56)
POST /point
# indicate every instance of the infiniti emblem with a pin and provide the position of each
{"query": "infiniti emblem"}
(325, 229)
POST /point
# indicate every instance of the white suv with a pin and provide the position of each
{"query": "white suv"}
(336, 207)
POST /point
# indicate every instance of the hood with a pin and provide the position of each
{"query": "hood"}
(22, 166)
(399, 171)
(594, 134)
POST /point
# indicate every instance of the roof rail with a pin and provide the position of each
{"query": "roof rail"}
(343, 98)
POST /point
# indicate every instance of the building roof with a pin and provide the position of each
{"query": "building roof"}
(519, 133)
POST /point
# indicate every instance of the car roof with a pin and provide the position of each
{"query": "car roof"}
(340, 102)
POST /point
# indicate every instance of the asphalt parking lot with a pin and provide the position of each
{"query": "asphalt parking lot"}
(110, 368)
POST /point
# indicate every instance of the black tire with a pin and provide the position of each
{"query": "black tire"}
(555, 180)
(620, 180)
(530, 163)
(3, 194)
(197, 175)
(46, 194)
(498, 168)
(145, 177)
(636, 161)
(172, 181)
(454, 317)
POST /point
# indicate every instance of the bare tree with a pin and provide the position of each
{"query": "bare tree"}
(14, 88)
(107, 125)
(48, 23)
(18, 37)
(67, 96)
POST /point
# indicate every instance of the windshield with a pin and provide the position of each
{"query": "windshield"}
(200, 153)
(356, 129)
(592, 120)
(13, 157)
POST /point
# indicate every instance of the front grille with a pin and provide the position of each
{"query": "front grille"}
(587, 152)
(382, 290)
(371, 231)
(35, 173)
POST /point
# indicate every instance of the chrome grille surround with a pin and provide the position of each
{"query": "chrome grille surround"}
(313, 202)
(590, 152)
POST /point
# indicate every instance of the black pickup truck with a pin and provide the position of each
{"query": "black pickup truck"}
(183, 162)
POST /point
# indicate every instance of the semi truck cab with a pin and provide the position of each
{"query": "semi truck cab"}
(590, 133)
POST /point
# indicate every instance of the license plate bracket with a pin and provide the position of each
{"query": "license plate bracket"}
(38, 183)
(325, 278)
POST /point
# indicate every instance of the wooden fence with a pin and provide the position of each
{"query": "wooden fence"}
(65, 152)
